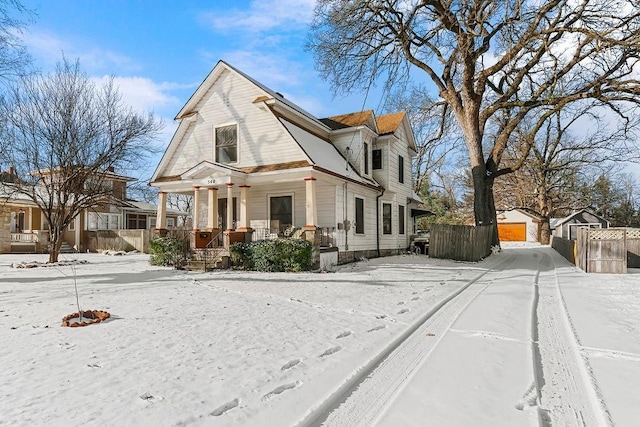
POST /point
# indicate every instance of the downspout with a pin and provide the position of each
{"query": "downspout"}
(378, 222)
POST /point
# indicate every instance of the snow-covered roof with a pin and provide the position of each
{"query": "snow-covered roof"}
(324, 155)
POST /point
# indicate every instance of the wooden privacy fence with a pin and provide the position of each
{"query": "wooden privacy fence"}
(633, 248)
(119, 240)
(602, 250)
(460, 242)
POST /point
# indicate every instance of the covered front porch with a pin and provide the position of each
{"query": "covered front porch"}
(231, 205)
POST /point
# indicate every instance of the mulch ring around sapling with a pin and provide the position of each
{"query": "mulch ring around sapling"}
(85, 318)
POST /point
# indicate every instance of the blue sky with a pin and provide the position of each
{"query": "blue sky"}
(160, 51)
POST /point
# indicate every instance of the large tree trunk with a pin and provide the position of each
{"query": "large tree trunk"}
(545, 231)
(483, 202)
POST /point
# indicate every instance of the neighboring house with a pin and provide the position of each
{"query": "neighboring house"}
(260, 166)
(567, 227)
(23, 227)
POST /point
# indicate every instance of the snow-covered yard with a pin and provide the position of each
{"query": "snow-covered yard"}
(271, 349)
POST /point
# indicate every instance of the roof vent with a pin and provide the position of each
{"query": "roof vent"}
(280, 95)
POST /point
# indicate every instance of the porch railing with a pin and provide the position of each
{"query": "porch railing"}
(33, 237)
(327, 234)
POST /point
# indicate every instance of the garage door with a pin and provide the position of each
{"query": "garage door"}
(512, 232)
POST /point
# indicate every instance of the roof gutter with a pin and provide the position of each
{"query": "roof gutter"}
(378, 221)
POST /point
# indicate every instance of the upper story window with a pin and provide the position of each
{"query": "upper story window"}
(377, 159)
(227, 144)
(401, 169)
(366, 158)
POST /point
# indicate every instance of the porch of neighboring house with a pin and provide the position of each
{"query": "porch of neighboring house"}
(291, 212)
(26, 234)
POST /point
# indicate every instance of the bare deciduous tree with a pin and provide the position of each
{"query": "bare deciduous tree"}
(494, 63)
(66, 135)
(569, 144)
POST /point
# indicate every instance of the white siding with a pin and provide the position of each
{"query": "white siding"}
(262, 140)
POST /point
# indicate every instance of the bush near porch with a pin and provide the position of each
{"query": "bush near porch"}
(289, 255)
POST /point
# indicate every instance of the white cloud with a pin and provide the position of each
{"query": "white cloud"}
(48, 49)
(143, 94)
(262, 16)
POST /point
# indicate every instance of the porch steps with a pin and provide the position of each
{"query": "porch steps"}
(208, 259)
(66, 248)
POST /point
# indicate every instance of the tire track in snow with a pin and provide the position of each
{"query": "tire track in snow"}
(569, 395)
(363, 397)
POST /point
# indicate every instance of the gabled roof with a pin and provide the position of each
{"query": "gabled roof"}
(561, 221)
(524, 211)
(220, 67)
(359, 118)
(389, 123)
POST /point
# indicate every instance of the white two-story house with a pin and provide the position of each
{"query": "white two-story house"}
(259, 166)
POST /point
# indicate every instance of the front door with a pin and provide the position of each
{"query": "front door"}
(280, 212)
(222, 213)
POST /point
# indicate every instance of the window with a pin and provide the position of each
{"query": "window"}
(359, 215)
(136, 222)
(377, 159)
(171, 222)
(366, 158)
(72, 225)
(386, 218)
(281, 212)
(103, 221)
(401, 169)
(152, 222)
(401, 219)
(227, 144)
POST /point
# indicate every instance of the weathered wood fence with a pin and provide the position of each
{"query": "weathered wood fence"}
(119, 240)
(460, 242)
(609, 250)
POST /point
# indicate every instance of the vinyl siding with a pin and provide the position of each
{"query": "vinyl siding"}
(262, 139)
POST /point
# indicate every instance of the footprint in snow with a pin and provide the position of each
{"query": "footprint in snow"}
(330, 351)
(290, 364)
(403, 311)
(344, 334)
(225, 408)
(381, 316)
(415, 298)
(377, 328)
(401, 303)
(278, 390)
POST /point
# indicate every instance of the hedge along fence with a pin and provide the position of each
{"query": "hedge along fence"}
(460, 242)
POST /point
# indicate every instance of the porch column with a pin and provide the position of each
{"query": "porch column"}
(161, 217)
(196, 208)
(244, 209)
(311, 206)
(212, 211)
(230, 206)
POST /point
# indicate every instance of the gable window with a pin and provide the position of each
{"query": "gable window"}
(280, 212)
(227, 144)
(386, 218)
(377, 159)
(401, 219)
(359, 215)
(401, 169)
(366, 158)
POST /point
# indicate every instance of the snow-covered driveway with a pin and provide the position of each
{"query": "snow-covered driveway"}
(496, 344)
